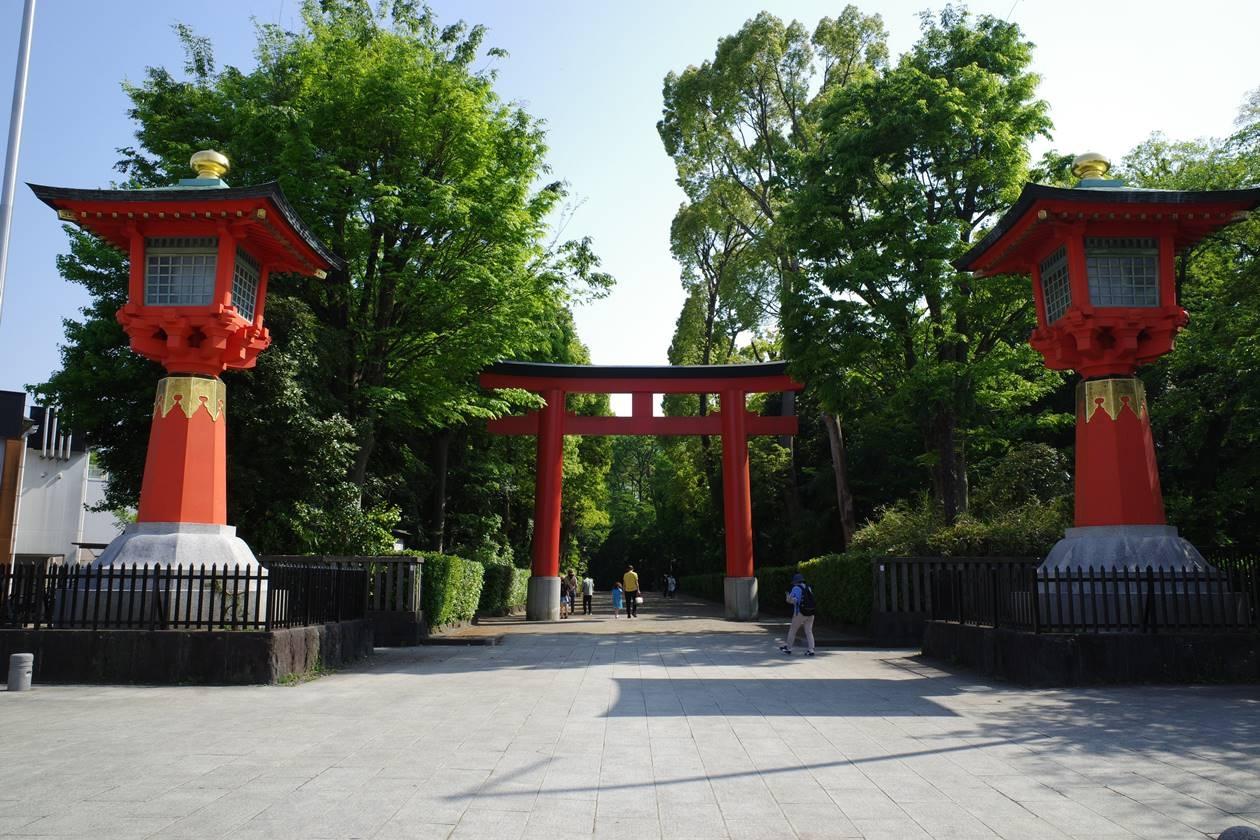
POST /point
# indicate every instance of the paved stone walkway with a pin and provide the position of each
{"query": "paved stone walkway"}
(662, 728)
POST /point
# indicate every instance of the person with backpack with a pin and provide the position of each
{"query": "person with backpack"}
(801, 597)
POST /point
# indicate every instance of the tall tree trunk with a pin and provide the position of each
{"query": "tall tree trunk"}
(367, 443)
(950, 474)
(441, 458)
(840, 467)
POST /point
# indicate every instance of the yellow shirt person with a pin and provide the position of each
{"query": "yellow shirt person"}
(630, 582)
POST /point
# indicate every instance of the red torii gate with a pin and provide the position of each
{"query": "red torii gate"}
(733, 423)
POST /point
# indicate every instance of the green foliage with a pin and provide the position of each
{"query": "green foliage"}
(918, 529)
(1028, 473)
(909, 164)
(505, 587)
(450, 588)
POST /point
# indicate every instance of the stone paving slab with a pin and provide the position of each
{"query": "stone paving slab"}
(677, 725)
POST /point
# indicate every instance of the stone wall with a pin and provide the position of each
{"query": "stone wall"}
(187, 657)
(1063, 659)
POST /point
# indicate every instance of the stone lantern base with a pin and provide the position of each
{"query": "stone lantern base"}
(178, 544)
(1120, 547)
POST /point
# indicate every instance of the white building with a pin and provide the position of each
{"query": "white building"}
(50, 516)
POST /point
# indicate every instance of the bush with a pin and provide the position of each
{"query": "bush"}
(916, 529)
(505, 587)
(901, 529)
(710, 586)
(843, 586)
(1027, 531)
(773, 582)
(1026, 473)
(520, 587)
(450, 588)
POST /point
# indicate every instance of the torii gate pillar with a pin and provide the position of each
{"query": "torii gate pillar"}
(740, 587)
(542, 602)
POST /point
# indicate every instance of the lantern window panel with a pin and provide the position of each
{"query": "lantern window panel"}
(179, 271)
(1055, 287)
(1122, 271)
(245, 285)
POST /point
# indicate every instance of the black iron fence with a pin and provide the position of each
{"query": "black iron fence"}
(1016, 596)
(902, 591)
(180, 598)
(393, 591)
(393, 581)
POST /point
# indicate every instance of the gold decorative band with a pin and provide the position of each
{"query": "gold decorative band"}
(189, 394)
(1112, 396)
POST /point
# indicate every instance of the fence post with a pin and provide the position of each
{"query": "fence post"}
(1148, 603)
(269, 614)
(1036, 604)
(337, 573)
(931, 578)
(993, 583)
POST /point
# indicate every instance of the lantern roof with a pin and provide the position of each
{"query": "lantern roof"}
(1019, 236)
(109, 214)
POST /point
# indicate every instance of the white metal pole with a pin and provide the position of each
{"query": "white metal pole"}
(15, 140)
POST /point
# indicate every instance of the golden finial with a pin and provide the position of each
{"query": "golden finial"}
(1090, 166)
(209, 164)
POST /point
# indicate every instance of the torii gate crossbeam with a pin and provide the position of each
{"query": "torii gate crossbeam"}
(733, 424)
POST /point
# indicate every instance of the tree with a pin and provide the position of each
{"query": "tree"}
(909, 165)
(737, 126)
(402, 158)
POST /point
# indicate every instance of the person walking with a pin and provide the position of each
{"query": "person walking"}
(588, 592)
(618, 596)
(630, 581)
(801, 597)
(565, 594)
(671, 586)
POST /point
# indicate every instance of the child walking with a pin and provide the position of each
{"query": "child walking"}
(617, 597)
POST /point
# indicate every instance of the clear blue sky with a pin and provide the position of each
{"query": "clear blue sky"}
(1112, 73)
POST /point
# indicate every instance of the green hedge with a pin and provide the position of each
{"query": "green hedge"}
(773, 583)
(711, 586)
(843, 587)
(505, 588)
(450, 588)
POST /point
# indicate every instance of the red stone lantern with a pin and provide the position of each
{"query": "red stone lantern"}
(202, 254)
(1103, 262)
